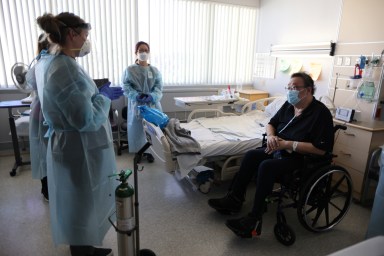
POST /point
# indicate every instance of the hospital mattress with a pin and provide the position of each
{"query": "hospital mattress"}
(222, 137)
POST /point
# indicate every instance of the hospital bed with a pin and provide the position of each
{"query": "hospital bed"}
(223, 138)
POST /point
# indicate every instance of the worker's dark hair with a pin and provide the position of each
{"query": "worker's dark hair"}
(42, 43)
(308, 81)
(137, 48)
(138, 45)
(57, 27)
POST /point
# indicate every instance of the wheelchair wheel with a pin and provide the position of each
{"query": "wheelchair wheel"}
(325, 198)
(284, 234)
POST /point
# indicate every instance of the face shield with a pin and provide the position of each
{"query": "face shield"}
(87, 46)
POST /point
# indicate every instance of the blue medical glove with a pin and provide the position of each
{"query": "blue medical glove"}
(148, 99)
(111, 92)
(117, 92)
(141, 97)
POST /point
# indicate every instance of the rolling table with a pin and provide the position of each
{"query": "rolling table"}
(15, 142)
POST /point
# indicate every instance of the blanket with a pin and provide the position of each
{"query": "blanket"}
(180, 139)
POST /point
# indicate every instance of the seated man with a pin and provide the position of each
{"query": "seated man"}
(303, 125)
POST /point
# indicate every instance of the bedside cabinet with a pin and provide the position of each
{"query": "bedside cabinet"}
(354, 147)
(252, 95)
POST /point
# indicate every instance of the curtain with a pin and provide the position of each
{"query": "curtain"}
(192, 42)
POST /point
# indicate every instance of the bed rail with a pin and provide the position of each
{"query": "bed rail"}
(208, 113)
(160, 146)
(257, 104)
(230, 166)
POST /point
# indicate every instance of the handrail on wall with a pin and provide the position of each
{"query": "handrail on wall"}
(307, 48)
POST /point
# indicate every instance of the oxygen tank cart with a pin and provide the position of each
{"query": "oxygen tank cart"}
(127, 212)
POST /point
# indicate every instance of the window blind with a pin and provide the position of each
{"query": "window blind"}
(195, 42)
(192, 42)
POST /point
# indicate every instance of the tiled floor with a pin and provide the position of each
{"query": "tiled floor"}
(174, 220)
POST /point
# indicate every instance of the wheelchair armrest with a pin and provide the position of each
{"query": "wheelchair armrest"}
(339, 127)
(264, 141)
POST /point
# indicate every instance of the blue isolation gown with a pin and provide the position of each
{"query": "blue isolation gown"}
(37, 129)
(80, 153)
(140, 79)
(376, 223)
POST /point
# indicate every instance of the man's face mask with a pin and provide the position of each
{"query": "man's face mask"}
(143, 56)
(293, 97)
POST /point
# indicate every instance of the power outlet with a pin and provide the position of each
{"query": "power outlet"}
(347, 61)
(339, 61)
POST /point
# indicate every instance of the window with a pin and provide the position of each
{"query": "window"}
(192, 42)
(195, 42)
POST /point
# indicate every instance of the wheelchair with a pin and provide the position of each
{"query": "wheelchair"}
(320, 191)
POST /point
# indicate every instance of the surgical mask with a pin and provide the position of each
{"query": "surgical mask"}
(293, 97)
(143, 56)
(86, 48)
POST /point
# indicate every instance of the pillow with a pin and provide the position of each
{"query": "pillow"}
(274, 106)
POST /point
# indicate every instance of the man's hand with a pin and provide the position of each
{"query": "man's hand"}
(274, 143)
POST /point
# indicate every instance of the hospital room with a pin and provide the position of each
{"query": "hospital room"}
(191, 127)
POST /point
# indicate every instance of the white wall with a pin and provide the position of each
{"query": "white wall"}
(359, 37)
(297, 22)
(276, 86)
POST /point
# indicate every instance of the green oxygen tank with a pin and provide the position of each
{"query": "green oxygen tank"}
(125, 218)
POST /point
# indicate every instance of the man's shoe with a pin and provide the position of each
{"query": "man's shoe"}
(245, 227)
(226, 205)
(86, 250)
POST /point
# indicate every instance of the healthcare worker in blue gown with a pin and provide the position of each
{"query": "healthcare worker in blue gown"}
(376, 222)
(143, 85)
(37, 127)
(80, 153)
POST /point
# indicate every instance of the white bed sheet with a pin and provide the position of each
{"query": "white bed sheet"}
(224, 136)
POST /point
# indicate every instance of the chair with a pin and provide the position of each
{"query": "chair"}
(320, 191)
(123, 142)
